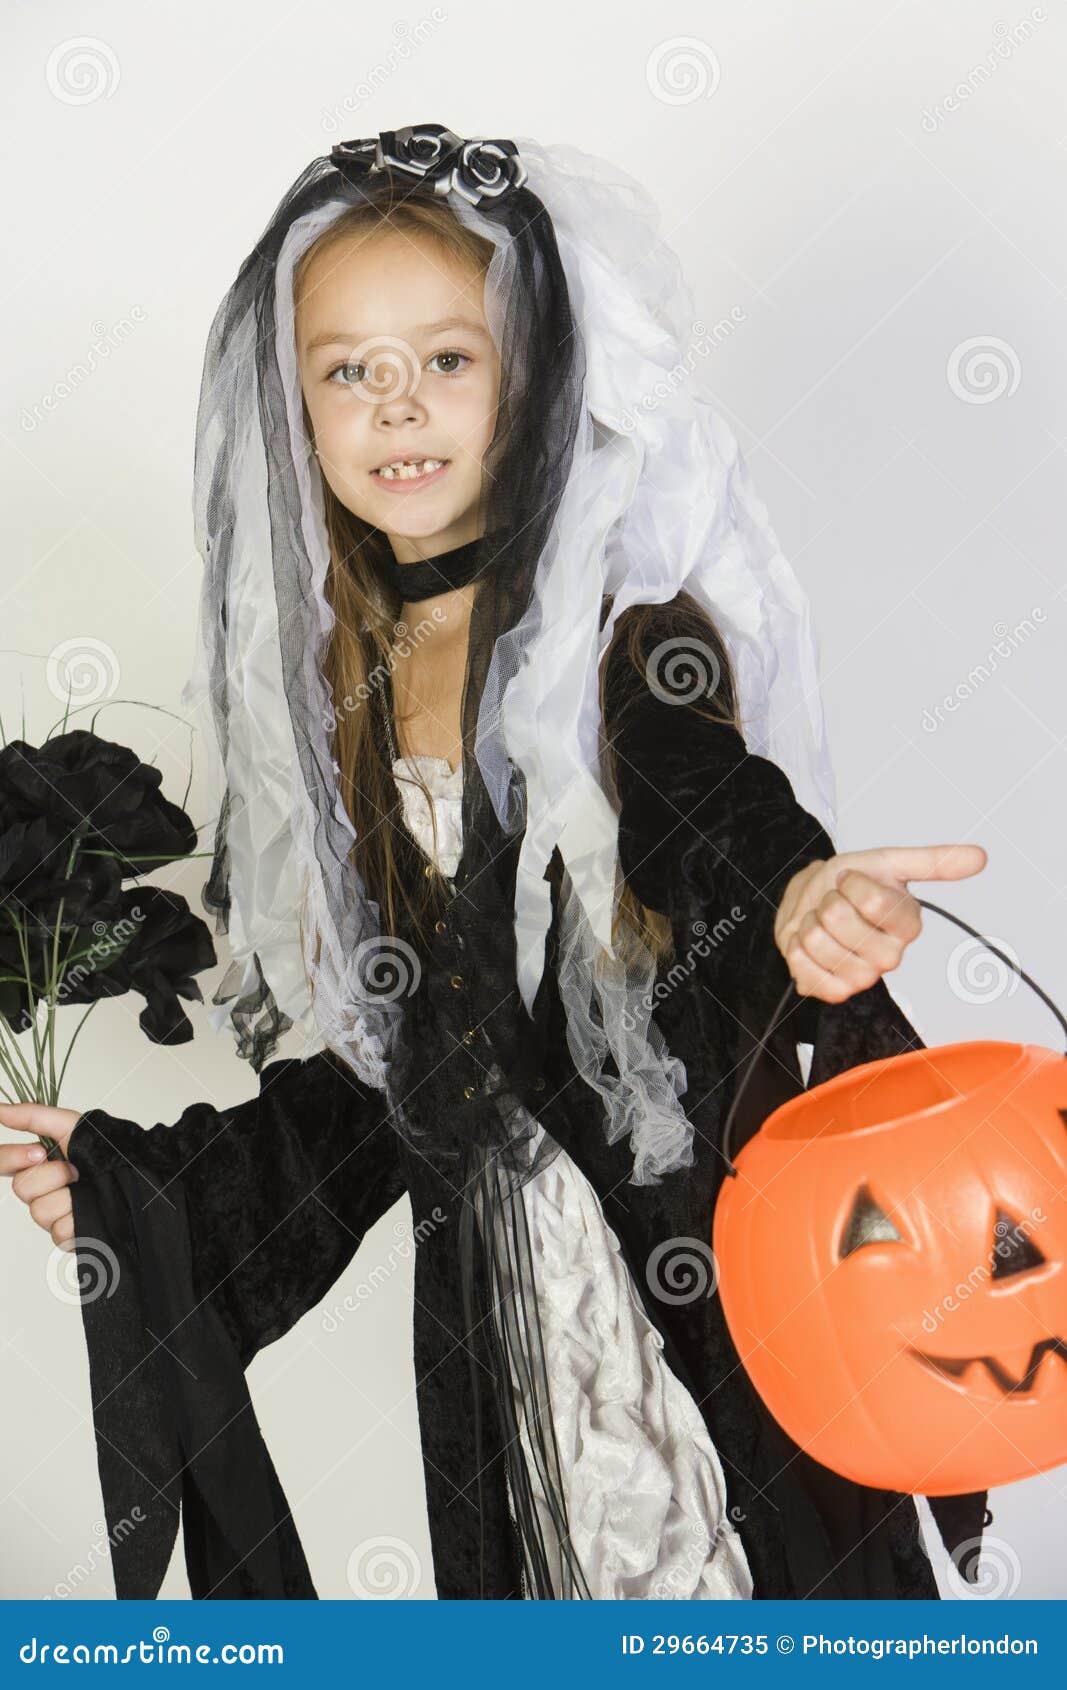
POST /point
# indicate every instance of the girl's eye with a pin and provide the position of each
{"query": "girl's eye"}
(452, 372)
(348, 366)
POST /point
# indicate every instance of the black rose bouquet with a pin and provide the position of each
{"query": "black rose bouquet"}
(80, 817)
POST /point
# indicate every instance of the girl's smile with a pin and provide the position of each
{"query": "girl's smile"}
(409, 475)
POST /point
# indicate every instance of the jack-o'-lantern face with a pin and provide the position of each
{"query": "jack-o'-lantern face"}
(891, 1267)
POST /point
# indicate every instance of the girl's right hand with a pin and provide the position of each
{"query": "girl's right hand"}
(44, 1186)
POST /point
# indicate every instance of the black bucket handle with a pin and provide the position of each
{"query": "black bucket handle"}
(791, 990)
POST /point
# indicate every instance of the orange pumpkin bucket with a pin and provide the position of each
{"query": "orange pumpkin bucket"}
(891, 1265)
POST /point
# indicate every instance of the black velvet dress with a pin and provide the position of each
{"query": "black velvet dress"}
(230, 1224)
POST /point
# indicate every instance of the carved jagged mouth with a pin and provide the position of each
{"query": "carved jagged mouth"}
(953, 1367)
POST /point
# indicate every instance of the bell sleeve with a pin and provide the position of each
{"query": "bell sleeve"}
(198, 1244)
(711, 834)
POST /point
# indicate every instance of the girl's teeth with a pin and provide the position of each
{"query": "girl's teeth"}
(410, 472)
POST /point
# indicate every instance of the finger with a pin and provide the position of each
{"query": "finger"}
(62, 1231)
(832, 957)
(847, 923)
(40, 1118)
(47, 1176)
(15, 1157)
(926, 862)
(890, 909)
(47, 1209)
(814, 981)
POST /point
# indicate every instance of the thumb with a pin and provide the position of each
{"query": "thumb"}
(921, 862)
(40, 1118)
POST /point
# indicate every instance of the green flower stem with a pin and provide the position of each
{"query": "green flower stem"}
(24, 948)
(25, 1079)
(12, 1073)
(149, 856)
(54, 983)
(70, 1047)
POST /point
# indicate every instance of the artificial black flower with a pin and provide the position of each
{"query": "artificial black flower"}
(78, 780)
(37, 874)
(154, 947)
(78, 815)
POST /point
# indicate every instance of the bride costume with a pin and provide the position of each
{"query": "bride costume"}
(612, 481)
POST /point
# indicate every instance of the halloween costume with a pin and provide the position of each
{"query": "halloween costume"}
(531, 1072)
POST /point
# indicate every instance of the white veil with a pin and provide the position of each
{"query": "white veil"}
(656, 499)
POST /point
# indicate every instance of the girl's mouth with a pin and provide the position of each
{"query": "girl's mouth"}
(408, 478)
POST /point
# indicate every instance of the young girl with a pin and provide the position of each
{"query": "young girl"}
(487, 601)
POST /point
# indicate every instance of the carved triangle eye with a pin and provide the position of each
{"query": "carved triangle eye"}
(868, 1223)
(1013, 1251)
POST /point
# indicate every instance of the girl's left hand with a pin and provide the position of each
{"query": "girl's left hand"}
(845, 922)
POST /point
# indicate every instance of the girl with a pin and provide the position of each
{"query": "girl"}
(487, 602)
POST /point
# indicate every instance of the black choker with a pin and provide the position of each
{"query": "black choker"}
(432, 576)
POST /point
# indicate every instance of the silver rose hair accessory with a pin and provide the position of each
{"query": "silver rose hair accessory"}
(428, 153)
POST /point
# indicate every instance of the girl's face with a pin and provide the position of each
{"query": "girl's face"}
(397, 363)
